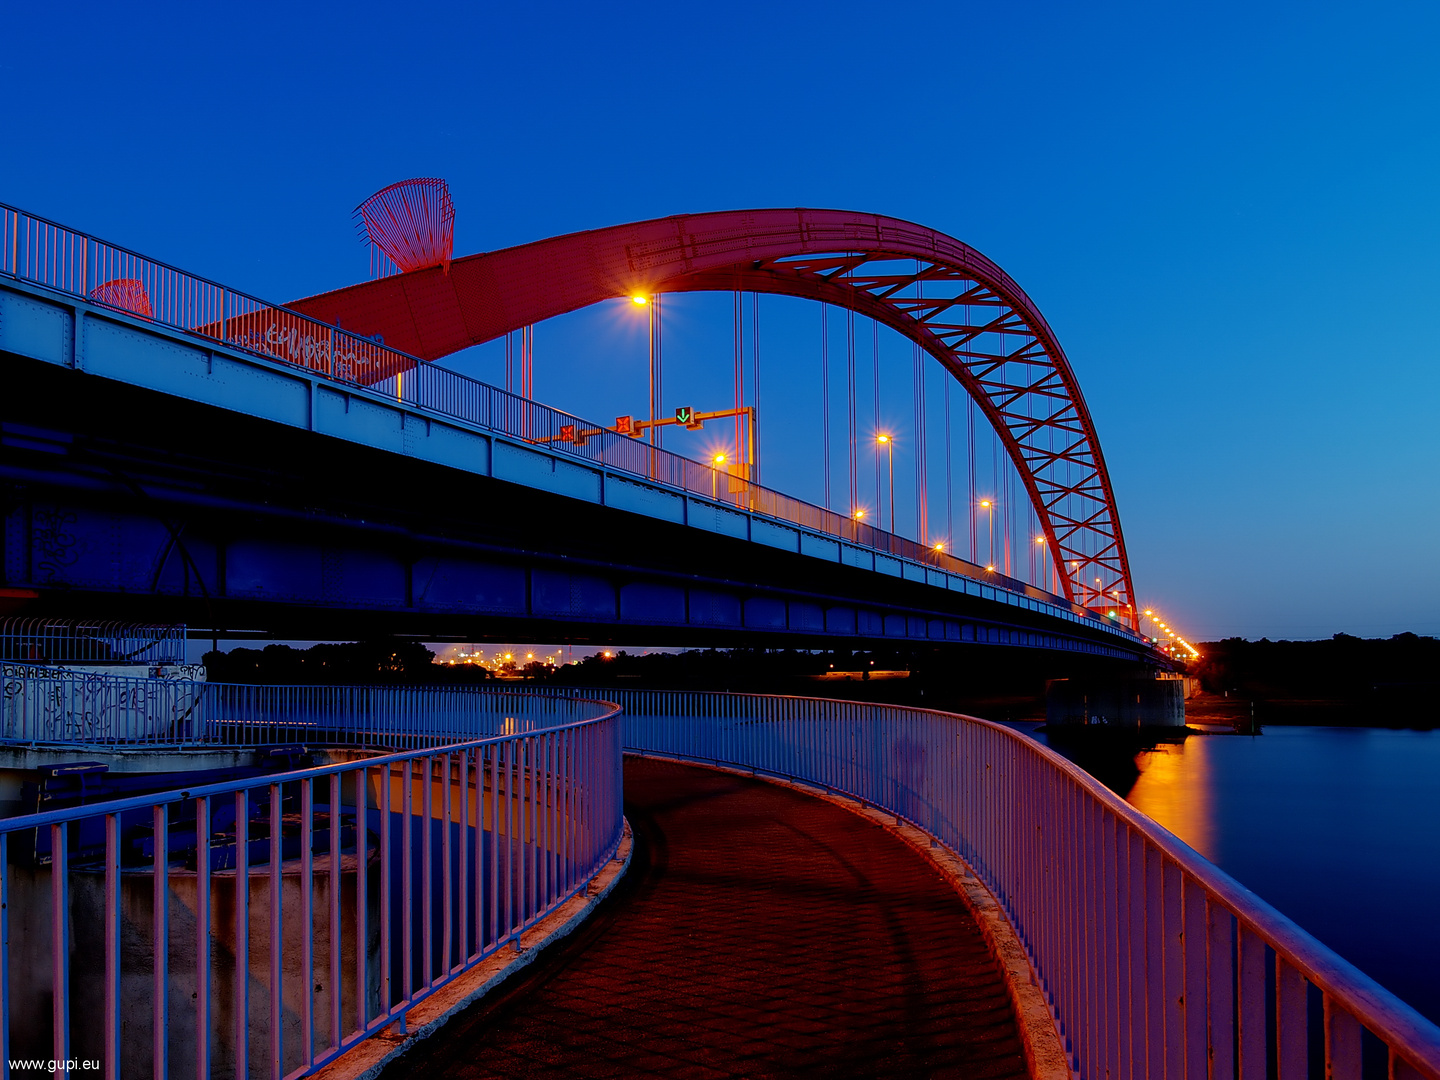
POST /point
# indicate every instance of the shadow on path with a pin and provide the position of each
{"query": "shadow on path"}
(759, 933)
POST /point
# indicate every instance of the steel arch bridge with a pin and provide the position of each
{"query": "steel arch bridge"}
(958, 305)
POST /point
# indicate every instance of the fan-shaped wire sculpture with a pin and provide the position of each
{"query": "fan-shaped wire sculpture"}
(412, 222)
(128, 294)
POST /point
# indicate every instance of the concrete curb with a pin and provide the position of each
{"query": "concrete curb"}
(366, 1060)
(1044, 1052)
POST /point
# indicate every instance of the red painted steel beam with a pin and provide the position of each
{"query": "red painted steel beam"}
(938, 291)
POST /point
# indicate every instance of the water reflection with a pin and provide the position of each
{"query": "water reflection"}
(1174, 788)
(1337, 827)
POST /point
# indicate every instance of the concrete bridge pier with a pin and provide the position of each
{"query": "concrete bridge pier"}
(1143, 700)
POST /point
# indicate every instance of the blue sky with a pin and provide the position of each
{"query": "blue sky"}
(1228, 213)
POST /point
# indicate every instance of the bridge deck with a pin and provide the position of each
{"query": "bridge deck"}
(760, 932)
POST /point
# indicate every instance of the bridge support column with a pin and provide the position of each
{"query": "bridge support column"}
(1117, 702)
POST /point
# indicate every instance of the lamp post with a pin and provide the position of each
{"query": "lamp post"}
(888, 442)
(650, 303)
(718, 463)
(989, 508)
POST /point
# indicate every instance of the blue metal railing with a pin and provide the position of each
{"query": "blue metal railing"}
(266, 926)
(56, 706)
(1155, 962)
(56, 641)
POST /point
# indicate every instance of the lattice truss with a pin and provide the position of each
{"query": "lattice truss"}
(1022, 382)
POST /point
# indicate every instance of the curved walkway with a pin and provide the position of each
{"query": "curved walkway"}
(760, 932)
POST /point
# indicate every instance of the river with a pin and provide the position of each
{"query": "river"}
(1337, 827)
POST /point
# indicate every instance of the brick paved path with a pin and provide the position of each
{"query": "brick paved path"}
(759, 933)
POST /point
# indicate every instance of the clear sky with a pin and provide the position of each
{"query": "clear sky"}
(1227, 211)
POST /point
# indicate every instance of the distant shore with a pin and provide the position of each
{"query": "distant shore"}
(1359, 682)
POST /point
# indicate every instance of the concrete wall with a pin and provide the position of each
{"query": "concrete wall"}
(32, 987)
(93, 702)
(1120, 703)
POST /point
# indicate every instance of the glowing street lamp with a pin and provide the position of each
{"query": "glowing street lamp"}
(989, 508)
(718, 461)
(652, 303)
(888, 442)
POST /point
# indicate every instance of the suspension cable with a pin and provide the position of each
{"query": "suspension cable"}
(922, 515)
(874, 434)
(825, 393)
(755, 385)
(973, 503)
(739, 370)
(949, 483)
(852, 416)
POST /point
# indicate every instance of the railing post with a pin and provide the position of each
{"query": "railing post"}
(160, 984)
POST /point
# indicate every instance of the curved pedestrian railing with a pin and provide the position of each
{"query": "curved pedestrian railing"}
(58, 706)
(265, 926)
(1155, 962)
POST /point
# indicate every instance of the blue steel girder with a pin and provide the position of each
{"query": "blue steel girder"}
(306, 573)
(129, 476)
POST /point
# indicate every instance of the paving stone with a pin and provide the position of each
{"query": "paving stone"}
(759, 933)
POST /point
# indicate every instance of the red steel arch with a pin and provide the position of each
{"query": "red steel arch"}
(957, 304)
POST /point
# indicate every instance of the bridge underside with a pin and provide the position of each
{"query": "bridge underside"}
(120, 501)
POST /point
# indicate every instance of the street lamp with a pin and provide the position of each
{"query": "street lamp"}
(888, 441)
(652, 303)
(718, 461)
(989, 508)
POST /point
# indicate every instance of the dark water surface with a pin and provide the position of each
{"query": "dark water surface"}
(1337, 827)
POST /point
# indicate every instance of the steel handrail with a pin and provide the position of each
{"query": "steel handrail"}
(60, 706)
(1077, 870)
(462, 847)
(229, 787)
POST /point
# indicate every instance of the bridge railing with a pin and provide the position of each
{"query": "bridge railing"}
(59, 707)
(1155, 962)
(53, 641)
(40, 251)
(264, 927)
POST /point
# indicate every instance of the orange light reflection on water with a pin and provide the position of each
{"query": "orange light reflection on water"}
(1175, 790)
